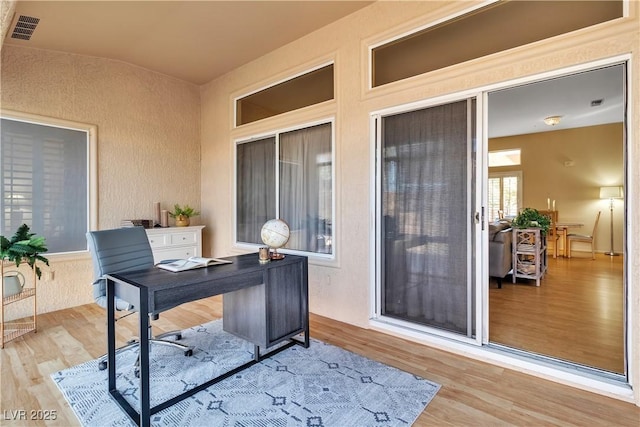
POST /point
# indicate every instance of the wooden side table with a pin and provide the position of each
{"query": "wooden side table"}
(529, 254)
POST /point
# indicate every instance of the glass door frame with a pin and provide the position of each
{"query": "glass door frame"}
(481, 300)
(627, 227)
(476, 304)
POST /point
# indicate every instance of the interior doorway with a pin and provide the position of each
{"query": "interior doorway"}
(577, 314)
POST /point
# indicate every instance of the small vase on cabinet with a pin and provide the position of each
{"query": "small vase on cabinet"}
(182, 221)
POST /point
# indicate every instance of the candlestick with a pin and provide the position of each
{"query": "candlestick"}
(157, 213)
(164, 222)
(554, 205)
(548, 203)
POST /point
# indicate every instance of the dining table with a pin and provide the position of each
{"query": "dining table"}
(562, 229)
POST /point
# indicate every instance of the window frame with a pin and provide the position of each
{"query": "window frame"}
(275, 133)
(92, 164)
(501, 176)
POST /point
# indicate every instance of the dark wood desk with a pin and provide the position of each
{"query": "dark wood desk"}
(265, 304)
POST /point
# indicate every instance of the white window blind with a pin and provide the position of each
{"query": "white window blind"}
(45, 182)
(505, 194)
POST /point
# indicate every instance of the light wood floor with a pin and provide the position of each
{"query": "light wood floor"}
(576, 314)
(472, 394)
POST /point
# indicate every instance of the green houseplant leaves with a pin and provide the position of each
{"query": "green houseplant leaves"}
(530, 217)
(187, 211)
(24, 246)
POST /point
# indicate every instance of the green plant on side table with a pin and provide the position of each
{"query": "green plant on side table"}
(24, 247)
(183, 214)
(529, 218)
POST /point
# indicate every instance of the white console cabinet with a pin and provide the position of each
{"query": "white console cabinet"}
(175, 242)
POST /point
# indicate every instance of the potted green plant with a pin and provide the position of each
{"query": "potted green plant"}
(182, 214)
(530, 217)
(24, 247)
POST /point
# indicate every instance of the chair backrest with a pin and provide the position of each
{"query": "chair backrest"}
(595, 225)
(115, 251)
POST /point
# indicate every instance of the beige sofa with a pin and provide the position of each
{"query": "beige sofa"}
(500, 255)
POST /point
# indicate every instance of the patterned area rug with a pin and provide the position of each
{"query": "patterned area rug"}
(322, 385)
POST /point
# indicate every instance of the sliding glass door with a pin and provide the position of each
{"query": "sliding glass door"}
(434, 193)
(426, 227)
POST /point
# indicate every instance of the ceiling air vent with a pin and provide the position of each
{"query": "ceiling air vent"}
(25, 27)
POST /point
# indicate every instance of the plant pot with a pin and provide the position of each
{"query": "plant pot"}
(13, 283)
(182, 221)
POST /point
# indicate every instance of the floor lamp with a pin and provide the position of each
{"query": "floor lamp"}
(611, 193)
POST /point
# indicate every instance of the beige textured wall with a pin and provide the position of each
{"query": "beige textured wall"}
(346, 42)
(342, 291)
(597, 155)
(148, 141)
(7, 11)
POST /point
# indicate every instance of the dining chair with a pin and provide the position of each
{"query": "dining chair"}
(591, 239)
(116, 251)
(552, 235)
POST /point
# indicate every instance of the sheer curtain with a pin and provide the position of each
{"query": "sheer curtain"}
(255, 188)
(426, 224)
(306, 187)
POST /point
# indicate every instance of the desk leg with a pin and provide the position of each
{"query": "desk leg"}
(145, 407)
(111, 335)
(305, 301)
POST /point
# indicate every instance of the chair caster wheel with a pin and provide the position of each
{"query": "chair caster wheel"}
(102, 365)
(136, 373)
(188, 353)
(178, 337)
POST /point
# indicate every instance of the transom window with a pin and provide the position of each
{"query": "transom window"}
(493, 28)
(312, 87)
(504, 158)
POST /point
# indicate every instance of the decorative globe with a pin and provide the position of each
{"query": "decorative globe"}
(275, 234)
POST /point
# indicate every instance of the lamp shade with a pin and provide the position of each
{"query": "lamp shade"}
(611, 192)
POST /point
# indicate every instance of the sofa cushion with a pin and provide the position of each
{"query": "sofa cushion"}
(496, 227)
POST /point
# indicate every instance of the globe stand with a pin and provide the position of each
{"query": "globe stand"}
(275, 255)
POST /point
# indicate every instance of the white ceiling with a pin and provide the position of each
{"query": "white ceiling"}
(197, 41)
(521, 110)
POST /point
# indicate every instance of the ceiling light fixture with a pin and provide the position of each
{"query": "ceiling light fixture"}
(552, 120)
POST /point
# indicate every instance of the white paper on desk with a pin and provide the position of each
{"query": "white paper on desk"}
(191, 263)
